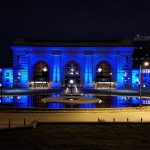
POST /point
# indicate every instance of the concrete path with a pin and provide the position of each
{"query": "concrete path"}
(104, 115)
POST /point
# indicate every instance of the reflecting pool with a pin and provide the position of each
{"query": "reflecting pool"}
(30, 101)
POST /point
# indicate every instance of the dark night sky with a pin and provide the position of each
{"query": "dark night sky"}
(71, 20)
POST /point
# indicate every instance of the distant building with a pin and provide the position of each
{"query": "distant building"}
(141, 52)
(140, 55)
(37, 64)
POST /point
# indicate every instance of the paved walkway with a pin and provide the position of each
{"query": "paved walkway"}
(101, 115)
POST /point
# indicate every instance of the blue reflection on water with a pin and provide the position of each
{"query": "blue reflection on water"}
(136, 100)
(88, 105)
(123, 101)
(28, 101)
(55, 105)
(89, 96)
(17, 101)
(7, 99)
(55, 95)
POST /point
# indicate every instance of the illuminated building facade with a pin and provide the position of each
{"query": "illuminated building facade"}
(54, 64)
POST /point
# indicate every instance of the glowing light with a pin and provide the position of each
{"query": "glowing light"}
(71, 81)
(7, 73)
(76, 90)
(18, 97)
(19, 74)
(100, 69)
(38, 82)
(45, 69)
(72, 69)
(146, 63)
(66, 90)
(100, 101)
(125, 74)
(146, 71)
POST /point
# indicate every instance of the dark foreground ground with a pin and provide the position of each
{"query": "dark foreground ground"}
(77, 137)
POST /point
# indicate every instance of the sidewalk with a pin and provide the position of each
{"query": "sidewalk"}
(134, 115)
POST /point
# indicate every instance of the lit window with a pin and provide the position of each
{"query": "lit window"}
(7, 73)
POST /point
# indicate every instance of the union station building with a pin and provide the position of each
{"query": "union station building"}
(38, 64)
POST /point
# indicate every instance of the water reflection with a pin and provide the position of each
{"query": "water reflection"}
(56, 105)
(17, 101)
(28, 101)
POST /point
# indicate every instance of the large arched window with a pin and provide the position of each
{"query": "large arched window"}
(103, 72)
(41, 72)
(72, 73)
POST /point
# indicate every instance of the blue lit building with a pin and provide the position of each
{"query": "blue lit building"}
(54, 64)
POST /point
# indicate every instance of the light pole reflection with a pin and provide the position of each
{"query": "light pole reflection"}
(140, 81)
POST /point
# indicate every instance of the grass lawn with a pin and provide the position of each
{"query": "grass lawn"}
(77, 137)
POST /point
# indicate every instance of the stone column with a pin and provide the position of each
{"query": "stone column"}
(88, 70)
(56, 83)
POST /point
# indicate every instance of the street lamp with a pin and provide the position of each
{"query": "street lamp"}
(71, 81)
(99, 69)
(44, 69)
(110, 79)
(140, 80)
(44, 76)
(19, 79)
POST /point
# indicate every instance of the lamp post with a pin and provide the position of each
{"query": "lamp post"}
(110, 79)
(44, 76)
(1, 91)
(99, 70)
(71, 83)
(19, 79)
(140, 81)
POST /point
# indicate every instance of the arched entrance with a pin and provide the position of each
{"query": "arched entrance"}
(41, 75)
(72, 74)
(104, 75)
